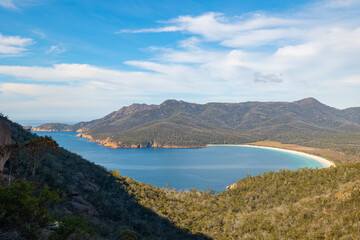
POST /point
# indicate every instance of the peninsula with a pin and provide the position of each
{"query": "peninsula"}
(179, 124)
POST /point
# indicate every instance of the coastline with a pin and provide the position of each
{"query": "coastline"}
(118, 145)
(326, 163)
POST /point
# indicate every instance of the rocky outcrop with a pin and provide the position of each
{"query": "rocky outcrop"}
(232, 186)
(5, 138)
(107, 142)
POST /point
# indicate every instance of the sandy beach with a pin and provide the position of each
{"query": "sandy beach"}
(322, 161)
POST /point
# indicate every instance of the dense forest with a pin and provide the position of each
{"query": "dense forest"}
(48, 191)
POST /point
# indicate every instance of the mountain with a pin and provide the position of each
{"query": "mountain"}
(181, 124)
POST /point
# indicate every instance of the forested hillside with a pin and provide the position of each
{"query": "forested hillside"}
(177, 123)
(67, 197)
(77, 188)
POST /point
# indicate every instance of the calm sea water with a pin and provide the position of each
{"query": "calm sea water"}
(201, 168)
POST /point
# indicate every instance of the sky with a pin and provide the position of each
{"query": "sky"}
(73, 60)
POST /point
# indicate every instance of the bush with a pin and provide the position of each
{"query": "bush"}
(71, 227)
(24, 207)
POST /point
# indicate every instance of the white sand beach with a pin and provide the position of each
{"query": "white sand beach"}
(323, 161)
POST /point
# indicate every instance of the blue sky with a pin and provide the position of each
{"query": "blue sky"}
(79, 60)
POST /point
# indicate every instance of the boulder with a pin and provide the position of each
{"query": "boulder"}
(81, 206)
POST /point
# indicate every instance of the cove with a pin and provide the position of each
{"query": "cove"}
(213, 167)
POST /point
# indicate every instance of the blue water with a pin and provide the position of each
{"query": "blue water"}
(201, 168)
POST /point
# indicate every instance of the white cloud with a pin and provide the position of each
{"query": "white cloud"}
(13, 45)
(256, 38)
(298, 51)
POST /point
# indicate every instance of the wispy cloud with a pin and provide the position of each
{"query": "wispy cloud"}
(39, 33)
(67, 87)
(270, 78)
(164, 78)
(16, 5)
(351, 80)
(152, 30)
(253, 30)
(342, 3)
(9, 4)
(55, 49)
(13, 45)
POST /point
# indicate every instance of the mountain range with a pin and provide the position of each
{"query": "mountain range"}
(181, 124)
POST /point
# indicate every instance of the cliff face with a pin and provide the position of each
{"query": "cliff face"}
(5, 138)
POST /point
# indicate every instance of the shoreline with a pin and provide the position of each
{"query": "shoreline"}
(326, 163)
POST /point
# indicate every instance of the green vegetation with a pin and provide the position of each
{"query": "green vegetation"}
(95, 203)
(25, 213)
(303, 204)
(23, 206)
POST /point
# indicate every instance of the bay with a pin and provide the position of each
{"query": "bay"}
(213, 167)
